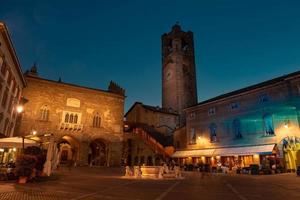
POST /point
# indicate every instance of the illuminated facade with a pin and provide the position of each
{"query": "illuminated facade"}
(11, 84)
(252, 125)
(148, 134)
(179, 89)
(87, 123)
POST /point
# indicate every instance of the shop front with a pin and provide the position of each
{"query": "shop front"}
(11, 147)
(230, 157)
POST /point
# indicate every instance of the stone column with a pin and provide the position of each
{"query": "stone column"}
(115, 154)
(83, 153)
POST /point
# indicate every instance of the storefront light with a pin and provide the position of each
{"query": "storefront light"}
(34, 132)
(1, 150)
(14, 149)
(286, 124)
(256, 155)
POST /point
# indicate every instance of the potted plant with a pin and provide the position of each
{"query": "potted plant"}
(25, 165)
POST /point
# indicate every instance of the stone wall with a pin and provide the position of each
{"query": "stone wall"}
(50, 101)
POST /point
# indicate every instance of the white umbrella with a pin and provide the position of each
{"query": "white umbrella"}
(55, 157)
(16, 142)
(48, 163)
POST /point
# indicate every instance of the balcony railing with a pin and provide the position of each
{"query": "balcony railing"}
(71, 127)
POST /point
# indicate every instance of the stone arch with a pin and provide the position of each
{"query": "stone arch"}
(100, 152)
(68, 149)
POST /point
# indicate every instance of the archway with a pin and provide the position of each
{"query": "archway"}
(290, 148)
(99, 150)
(68, 149)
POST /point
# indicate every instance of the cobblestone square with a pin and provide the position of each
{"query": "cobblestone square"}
(108, 183)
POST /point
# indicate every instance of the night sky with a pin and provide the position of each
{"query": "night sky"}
(237, 43)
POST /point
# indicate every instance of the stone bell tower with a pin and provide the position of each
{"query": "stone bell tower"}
(179, 88)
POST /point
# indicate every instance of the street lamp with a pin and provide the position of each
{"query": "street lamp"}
(19, 109)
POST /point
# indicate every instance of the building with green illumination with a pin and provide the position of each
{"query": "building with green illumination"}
(254, 125)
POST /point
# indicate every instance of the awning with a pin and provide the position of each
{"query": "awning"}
(193, 153)
(16, 142)
(230, 151)
(243, 151)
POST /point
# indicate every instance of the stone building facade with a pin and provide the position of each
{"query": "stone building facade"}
(164, 121)
(12, 83)
(87, 123)
(179, 89)
(257, 124)
(148, 134)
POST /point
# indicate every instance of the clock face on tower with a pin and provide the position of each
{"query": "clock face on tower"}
(169, 75)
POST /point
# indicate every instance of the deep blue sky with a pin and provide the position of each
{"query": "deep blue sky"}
(237, 43)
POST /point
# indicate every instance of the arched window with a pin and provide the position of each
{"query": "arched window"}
(236, 127)
(75, 118)
(268, 124)
(213, 132)
(71, 118)
(44, 113)
(97, 121)
(67, 118)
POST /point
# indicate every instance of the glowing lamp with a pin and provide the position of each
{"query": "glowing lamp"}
(286, 124)
(34, 132)
(20, 109)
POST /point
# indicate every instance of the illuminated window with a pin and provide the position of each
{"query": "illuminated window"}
(44, 113)
(236, 126)
(213, 132)
(268, 124)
